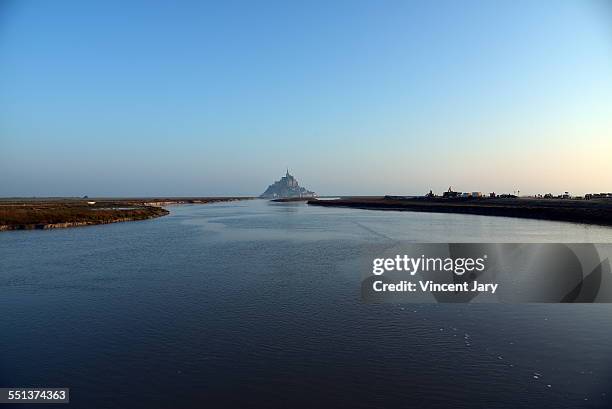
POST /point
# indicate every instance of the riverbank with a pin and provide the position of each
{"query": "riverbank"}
(577, 211)
(291, 199)
(53, 213)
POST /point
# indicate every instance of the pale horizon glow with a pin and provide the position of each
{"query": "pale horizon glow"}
(356, 98)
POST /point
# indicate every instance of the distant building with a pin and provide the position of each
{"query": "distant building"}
(450, 193)
(589, 196)
(286, 187)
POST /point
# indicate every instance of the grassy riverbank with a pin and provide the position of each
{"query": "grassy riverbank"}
(49, 213)
(578, 211)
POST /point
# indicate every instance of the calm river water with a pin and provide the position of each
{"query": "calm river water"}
(258, 304)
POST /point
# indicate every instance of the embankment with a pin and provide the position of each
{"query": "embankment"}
(577, 211)
(57, 213)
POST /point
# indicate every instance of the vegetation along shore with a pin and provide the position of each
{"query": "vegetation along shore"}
(569, 210)
(24, 214)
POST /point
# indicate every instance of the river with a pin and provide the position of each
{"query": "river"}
(251, 304)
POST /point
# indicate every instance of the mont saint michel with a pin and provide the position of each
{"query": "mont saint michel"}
(286, 187)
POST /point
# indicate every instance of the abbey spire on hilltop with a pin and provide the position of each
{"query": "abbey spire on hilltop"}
(287, 186)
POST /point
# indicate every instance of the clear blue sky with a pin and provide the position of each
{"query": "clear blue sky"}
(356, 97)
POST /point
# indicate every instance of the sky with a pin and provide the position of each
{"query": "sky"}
(159, 98)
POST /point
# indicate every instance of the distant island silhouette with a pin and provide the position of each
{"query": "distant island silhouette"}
(287, 187)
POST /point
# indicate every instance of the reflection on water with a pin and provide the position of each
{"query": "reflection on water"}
(235, 304)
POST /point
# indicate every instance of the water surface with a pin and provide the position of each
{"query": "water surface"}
(249, 303)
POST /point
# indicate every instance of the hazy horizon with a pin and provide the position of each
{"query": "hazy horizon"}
(356, 98)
